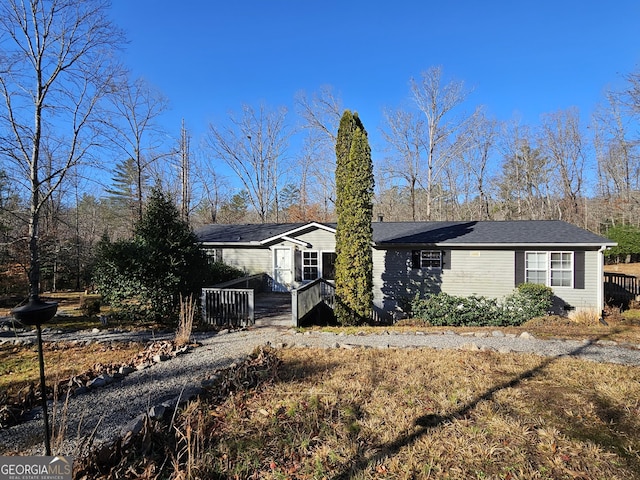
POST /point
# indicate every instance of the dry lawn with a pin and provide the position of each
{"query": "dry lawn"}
(19, 365)
(626, 268)
(404, 414)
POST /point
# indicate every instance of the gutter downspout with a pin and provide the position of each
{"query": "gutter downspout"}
(600, 290)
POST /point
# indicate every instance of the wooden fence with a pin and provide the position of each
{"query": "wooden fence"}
(232, 303)
(620, 289)
(233, 307)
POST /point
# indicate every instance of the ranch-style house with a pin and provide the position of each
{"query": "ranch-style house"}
(484, 258)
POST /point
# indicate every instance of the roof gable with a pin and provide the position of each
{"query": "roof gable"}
(256, 234)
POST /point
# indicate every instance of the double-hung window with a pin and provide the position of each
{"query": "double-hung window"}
(549, 268)
(213, 255)
(427, 259)
(561, 269)
(536, 267)
(310, 265)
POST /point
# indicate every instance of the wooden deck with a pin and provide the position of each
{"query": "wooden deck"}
(249, 301)
(621, 289)
(273, 309)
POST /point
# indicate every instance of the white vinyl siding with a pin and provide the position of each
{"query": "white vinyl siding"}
(585, 297)
(317, 260)
(319, 240)
(250, 260)
(488, 273)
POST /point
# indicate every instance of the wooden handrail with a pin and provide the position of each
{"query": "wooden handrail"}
(309, 296)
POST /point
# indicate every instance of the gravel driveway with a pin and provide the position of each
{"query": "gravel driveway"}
(116, 406)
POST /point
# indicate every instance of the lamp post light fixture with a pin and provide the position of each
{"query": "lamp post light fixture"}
(36, 312)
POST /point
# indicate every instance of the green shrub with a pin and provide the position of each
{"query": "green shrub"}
(540, 296)
(628, 239)
(221, 272)
(90, 306)
(530, 300)
(447, 310)
(526, 302)
(147, 274)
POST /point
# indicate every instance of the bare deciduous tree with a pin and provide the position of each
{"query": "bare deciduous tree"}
(475, 161)
(136, 108)
(616, 149)
(253, 145)
(214, 190)
(320, 116)
(562, 141)
(523, 183)
(437, 100)
(185, 173)
(404, 133)
(57, 68)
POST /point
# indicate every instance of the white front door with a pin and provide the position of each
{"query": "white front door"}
(282, 274)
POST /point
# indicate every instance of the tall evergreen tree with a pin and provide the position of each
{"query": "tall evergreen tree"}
(354, 208)
(128, 190)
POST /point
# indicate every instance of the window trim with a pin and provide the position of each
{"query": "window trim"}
(317, 265)
(548, 269)
(423, 259)
(213, 255)
(571, 270)
(527, 269)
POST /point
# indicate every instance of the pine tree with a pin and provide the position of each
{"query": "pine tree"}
(128, 189)
(354, 208)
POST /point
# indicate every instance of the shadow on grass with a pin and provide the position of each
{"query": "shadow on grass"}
(426, 423)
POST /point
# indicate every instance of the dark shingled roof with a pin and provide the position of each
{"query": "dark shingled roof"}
(500, 232)
(244, 233)
(517, 232)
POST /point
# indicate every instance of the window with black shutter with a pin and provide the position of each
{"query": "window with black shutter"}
(426, 259)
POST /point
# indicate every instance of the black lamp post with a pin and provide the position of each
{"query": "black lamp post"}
(36, 312)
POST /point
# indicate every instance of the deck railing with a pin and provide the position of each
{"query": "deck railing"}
(620, 288)
(260, 283)
(309, 296)
(232, 303)
(233, 307)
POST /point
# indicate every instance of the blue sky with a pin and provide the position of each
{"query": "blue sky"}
(522, 58)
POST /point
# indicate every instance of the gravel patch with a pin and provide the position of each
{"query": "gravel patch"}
(108, 412)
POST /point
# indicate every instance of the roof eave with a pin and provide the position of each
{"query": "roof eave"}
(230, 244)
(498, 245)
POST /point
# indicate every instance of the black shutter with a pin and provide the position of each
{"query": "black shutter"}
(415, 259)
(446, 259)
(297, 261)
(519, 267)
(578, 270)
